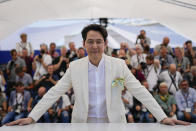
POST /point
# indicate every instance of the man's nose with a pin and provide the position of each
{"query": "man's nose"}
(94, 45)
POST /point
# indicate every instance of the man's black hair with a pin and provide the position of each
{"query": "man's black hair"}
(94, 27)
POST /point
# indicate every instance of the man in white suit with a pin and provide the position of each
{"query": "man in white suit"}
(92, 77)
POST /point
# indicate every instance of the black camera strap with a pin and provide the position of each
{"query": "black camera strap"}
(173, 81)
(148, 71)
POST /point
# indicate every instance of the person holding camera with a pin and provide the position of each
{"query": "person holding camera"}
(182, 63)
(138, 58)
(25, 78)
(11, 66)
(164, 58)
(41, 62)
(144, 41)
(18, 102)
(165, 43)
(61, 63)
(151, 71)
(72, 52)
(48, 80)
(188, 51)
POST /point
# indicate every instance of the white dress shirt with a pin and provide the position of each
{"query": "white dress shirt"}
(151, 74)
(97, 97)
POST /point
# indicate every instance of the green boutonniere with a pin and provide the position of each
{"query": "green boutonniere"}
(119, 82)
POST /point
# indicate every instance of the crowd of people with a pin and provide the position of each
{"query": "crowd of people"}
(168, 74)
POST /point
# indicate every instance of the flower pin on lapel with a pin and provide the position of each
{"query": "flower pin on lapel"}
(119, 82)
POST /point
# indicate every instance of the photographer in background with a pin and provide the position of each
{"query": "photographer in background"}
(188, 51)
(18, 101)
(47, 80)
(61, 63)
(138, 58)
(41, 62)
(72, 52)
(151, 70)
(165, 43)
(144, 41)
(164, 58)
(182, 63)
(11, 66)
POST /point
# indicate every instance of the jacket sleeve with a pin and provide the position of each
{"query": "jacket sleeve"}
(142, 94)
(62, 86)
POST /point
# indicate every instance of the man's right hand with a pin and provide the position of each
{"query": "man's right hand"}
(20, 122)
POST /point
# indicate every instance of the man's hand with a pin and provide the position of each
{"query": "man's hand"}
(20, 122)
(173, 122)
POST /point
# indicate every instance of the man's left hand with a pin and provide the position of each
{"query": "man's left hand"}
(173, 122)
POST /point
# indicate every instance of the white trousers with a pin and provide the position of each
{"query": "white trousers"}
(97, 120)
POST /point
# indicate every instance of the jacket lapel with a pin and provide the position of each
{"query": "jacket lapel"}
(84, 82)
(108, 81)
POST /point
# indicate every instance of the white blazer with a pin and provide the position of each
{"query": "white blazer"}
(76, 76)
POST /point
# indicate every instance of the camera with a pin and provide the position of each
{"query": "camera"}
(40, 56)
(12, 64)
(47, 76)
(141, 37)
(143, 65)
(163, 62)
(18, 108)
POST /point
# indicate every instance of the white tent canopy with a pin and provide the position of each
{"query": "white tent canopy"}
(180, 15)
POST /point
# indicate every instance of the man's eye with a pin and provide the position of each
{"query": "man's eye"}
(99, 42)
(90, 41)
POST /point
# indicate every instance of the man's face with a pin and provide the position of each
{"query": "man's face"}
(149, 62)
(94, 44)
(166, 41)
(177, 52)
(189, 46)
(138, 50)
(142, 33)
(63, 51)
(81, 53)
(50, 69)
(24, 38)
(20, 89)
(184, 86)
(21, 74)
(14, 56)
(163, 89)
(72, 46)
(52, 47)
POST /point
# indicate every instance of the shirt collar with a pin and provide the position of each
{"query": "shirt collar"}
(93, 67)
